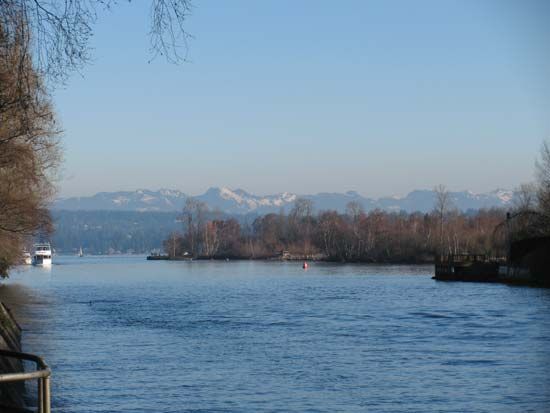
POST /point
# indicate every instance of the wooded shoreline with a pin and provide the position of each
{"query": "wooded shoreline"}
(353, 236)
(276, 258)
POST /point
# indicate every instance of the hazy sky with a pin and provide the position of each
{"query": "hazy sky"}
(380, 97)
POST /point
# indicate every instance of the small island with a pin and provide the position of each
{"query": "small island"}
(490, 245)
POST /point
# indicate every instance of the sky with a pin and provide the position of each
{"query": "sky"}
(381, 97)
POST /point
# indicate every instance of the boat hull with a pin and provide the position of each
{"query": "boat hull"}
(42, 262)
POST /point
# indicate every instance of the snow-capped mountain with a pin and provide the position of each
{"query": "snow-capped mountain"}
(424, 201)
(239, 201)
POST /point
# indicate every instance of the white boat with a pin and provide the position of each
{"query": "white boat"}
(42, 254)
(80, 253)
(27, 259)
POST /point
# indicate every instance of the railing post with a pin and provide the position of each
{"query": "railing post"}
(46, 395)
(40, 397)
(42, 375)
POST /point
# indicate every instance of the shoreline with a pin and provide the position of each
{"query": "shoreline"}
(294, 259)
(12, 395)
(524, 281)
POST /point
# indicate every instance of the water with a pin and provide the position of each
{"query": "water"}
(127, 335)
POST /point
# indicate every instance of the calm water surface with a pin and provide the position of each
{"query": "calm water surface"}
(127, 335)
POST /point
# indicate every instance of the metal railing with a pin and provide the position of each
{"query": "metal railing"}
(42, 374)
(461, 258)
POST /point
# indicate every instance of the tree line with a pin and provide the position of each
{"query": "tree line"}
(531, 216)
(376, 236)
(352, 236)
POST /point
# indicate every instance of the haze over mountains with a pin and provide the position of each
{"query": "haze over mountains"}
(239, 201)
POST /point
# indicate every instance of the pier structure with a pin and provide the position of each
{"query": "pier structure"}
(527, 262)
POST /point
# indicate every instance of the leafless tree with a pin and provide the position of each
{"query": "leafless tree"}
(301, 217)
(525, 199)
(388, 237)
(193, 218)
(43, 40)
(172, 245)
(355, 211)
(302, 208)
(60, 30)
(542, 168)
(211, 238)
(29, 146)
(442, 206)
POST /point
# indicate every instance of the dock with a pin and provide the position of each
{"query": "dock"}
(527, 263)
(466, 267)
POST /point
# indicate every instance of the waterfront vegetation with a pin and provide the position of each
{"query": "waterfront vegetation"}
(355, 235)
(375, 236)
(41, 44)
(29, 145)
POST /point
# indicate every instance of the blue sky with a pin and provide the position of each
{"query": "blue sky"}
(380, 97)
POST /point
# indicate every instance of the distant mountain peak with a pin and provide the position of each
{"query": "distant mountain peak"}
(239, 201)
(505, 195)
(171, 192)
(241, 192)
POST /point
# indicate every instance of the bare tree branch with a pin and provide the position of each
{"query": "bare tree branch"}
(60, 31)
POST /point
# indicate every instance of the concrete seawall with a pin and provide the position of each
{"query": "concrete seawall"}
(11, 394)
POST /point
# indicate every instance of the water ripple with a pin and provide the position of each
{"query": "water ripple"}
(127, 335)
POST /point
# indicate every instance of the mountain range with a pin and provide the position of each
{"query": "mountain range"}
(239, 201)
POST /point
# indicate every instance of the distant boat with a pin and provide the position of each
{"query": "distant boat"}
(80, 253)
(27, 258)
(42, 254)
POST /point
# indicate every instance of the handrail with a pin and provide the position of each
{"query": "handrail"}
(42, 374)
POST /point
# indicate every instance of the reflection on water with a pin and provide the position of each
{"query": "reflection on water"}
(127, 335)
